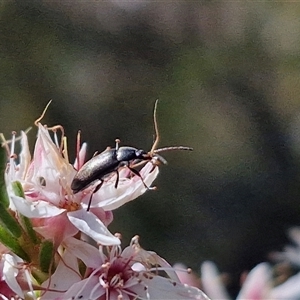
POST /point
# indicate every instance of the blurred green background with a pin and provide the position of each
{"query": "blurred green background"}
(227, 77)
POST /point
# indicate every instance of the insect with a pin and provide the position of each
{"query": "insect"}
(109, 161)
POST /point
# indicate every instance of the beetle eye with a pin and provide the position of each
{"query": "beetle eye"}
(140, 153)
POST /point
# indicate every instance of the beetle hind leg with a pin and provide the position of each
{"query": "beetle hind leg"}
(94, 191)
(117, 180)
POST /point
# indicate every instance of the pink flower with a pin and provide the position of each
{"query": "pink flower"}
(186, 275)
(129, 274)
(15, 279)
(49, 201)
(258, 285)
(211, 281)
(63, 251)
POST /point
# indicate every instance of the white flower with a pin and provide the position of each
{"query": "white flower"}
(49, 201)
(129, 274)
(15, 280)
(290, 254)
(259, 284)
(67, 252)
(211, 281)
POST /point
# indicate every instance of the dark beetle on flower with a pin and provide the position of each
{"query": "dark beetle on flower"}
(109, 161)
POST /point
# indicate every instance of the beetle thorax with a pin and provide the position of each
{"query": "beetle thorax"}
(129, 153)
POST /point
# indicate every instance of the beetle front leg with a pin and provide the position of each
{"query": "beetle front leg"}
(137, 173)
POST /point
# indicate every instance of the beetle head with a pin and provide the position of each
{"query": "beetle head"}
(150, 155)
(141, 154)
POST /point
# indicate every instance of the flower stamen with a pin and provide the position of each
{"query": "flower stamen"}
(36, 122)
(54, 129)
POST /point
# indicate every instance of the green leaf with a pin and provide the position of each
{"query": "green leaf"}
(18, 189)
(3, 192)
(46, 256)
(10, 222)
(29, 229)
(7, 239)
(6, 218)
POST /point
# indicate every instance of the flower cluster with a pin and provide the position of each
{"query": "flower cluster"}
(277, 281)
(52, 247)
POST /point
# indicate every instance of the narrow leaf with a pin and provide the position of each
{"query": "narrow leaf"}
(9, 221)
(3, 192)
(18, 190)
(46, 256)
(29, 229)
(5, 217)
(7, 239)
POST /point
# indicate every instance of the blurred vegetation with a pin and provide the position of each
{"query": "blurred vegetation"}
(227, 77)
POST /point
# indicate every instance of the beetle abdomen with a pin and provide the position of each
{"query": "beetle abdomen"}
(96, 168)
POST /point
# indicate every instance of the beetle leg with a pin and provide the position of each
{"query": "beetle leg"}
(139, 163)
(96, 153)
(137, 173)
(117, 180)
(94, 191)
(117, 144)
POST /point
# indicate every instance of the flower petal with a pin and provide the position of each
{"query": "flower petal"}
(294, 234)
(86, 289)
(52, 167)
(89, 224)
(211, 281)
(290, 289)
(163, 288)
(257, 283)
(10, 273)
(84, 251)
(55, 228)
(25, 158)
(65, 275)
(80, 160)
(36, 209)
(110, 198)
(186, 277)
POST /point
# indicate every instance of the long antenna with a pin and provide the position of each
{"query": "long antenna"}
(173, 148)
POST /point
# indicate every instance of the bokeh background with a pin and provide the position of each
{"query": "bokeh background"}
(227, 78)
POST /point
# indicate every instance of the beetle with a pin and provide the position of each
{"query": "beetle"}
(110, 160)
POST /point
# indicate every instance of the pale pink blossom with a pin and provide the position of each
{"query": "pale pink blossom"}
(212, 283)
(258, 285)
(290, 254)
(129, 274)
(67, 251)
(186, 275)
(15, 280)
(261, 283)
(49, 202)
